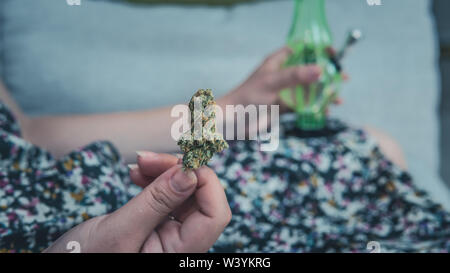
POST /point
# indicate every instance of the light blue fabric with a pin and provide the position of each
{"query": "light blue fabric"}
(108, 56)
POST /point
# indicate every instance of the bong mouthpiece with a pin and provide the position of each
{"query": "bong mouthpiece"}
(352, 38)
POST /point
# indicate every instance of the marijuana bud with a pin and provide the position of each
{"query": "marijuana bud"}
(202, 141)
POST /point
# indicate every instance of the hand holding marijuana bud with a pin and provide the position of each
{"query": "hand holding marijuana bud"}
(202, 141)
(194, 202)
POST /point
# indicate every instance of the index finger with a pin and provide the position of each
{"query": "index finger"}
(295, 75)
(150, 166)
(154, 164)
(277, 59)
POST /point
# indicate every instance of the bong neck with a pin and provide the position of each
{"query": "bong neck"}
(310, 23)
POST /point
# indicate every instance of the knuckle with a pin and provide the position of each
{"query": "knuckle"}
(229, 215)
(207, 172)
(299, 73)
(268, 59)
(158, 200)
(267, 80)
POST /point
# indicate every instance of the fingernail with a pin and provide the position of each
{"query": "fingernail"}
(132, 166)
(183, 181)
(145, 154)
(180, 158)
(178, 155)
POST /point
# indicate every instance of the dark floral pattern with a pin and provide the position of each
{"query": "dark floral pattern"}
(41, 197)
(325, 194)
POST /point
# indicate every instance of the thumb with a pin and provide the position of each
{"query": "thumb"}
(167, 192)
(133, 222)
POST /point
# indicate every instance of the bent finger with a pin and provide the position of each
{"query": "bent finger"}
(201, 229)
(277, 59)
(137, 177)
(154, 164)
(292, 76)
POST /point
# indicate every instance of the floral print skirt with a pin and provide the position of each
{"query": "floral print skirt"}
(41, 197)
(328, 193)
(334, 192)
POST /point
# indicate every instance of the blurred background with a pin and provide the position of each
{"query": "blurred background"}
(115, 55)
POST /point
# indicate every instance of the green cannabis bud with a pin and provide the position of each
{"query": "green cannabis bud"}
(201, 142)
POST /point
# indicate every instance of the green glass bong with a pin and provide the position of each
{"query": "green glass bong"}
(310, 40)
